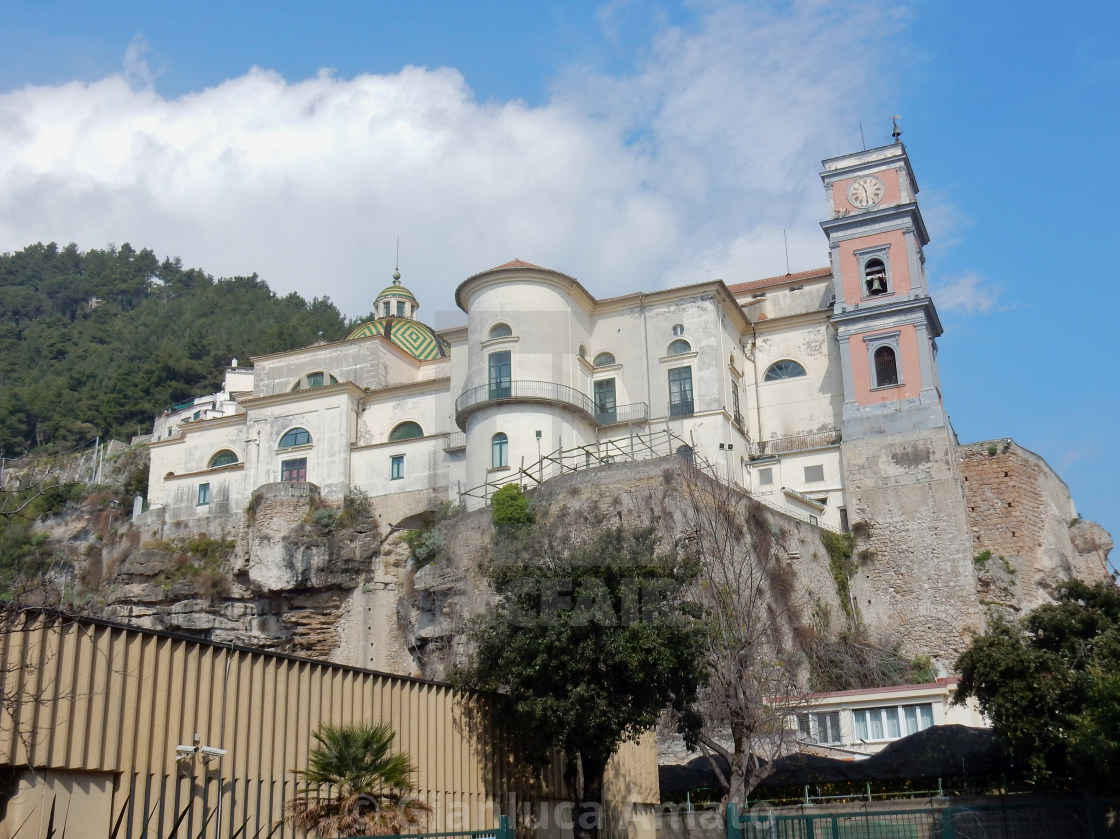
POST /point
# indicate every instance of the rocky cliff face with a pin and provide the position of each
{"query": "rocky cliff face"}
(293, 574)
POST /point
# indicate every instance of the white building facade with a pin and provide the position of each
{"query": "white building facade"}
(544, 378)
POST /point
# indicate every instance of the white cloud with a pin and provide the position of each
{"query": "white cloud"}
(686, 168)
(968, 294)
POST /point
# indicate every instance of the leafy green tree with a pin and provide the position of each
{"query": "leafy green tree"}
(1050, 684)
(590, 640)
(356, 785)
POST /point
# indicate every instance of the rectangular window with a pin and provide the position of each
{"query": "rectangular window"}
(501, 374)
(294, 470)
(892, 722)
(765, 476)
(814, 474)
(735, 415)
(315, 379)
(680, 391)
(820, 726)
(396, 467)
(400, 308)
(203, 494)
(606, 410)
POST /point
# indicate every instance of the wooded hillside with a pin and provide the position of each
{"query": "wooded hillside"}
(97, 343)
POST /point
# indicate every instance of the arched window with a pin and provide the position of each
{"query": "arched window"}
(316, 379)
(886, 367)
(499, 451)
(604, 359)
(679, 346)
(784, 369)
(223, 458)
(406, 431)
(500, 330)
(295, 437)
(875, 277)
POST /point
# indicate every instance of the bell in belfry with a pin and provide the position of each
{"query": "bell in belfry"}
(877, 284)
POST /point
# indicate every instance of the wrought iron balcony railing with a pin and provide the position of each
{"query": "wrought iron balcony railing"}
(521, 390)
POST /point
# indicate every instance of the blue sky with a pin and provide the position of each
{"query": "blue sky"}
(634, 145)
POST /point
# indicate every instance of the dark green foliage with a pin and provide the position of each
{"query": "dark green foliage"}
(98, 343)
(589, 642)
(25, 555)
(356, 785)
(842, 566)
(1050, 684)
(510, 509)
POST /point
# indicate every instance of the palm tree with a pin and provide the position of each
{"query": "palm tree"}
(356, 785)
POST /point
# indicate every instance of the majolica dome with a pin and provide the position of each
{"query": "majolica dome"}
(395, 308)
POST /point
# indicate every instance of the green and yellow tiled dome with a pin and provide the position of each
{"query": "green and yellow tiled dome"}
(415, 338)
(397, 307)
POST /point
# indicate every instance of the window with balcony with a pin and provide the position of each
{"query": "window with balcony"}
(295, 437)
(499, 451)
(680, 391)
(500, 374)
(606, 408)
(294, 470)
(406, 431)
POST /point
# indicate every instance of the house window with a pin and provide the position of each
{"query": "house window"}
(736, 416)
(892, 721)
(680, 391)
(820, 726)
(678, 330)
(605, 408)
(604, 359)
(295, 437)
(499, 451)
(223, 458)
(784, 369)
(886, 367)
(679, 347)
(501, 374)
(501, 330)
(203, 494)
(406, 431)
(396, 467)
(814, 474)
(765, 476)
(294, 470)
(316, 379)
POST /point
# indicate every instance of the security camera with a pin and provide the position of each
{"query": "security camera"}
(212, 751)
(183, 751)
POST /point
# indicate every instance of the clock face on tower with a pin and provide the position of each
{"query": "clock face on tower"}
(865, 192)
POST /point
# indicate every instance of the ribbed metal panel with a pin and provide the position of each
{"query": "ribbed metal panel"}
(114, 702)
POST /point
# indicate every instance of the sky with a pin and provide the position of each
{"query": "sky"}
(633, 144)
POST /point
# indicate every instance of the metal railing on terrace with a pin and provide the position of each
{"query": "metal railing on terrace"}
(521, 390)
(793, 443)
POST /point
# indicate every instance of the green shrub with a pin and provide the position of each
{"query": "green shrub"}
(510, 510)
(325, 521)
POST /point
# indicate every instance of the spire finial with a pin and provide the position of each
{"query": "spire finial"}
(397, 267)
(897, 131)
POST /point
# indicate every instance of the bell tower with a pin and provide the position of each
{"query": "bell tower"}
(898, 447)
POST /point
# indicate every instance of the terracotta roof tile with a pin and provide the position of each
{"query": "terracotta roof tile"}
(517, 263)
(770, 282)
